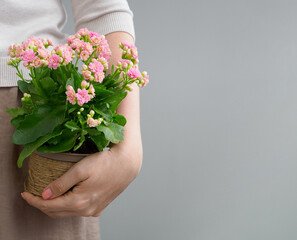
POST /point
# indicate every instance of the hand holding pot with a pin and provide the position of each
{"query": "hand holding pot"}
(97, 180)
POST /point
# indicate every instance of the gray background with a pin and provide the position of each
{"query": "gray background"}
(219, 123)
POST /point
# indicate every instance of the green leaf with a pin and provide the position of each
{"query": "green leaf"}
(120, 119)
(113, 132)
(61, 89)
(77, 79)
(48, 85)
(70, 81)
(17, 120)
(23, 86)
(71, 110)
(30, 147)
(14, 112)
(103, 111)
(72, 126)
(93, 131)
(56, 75)
(65, 142)
(101, 92)
(115, 99)
(81, 141)
(42, 121)
(99, 139)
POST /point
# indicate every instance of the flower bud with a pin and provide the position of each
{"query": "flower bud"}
(129, 88)
(144, 73)
(81, 109)
(84, 84)
(100, 120)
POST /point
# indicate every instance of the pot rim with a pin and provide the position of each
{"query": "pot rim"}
(63, 156)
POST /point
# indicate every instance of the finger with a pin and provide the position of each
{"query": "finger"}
(61, 185)
(64, 203)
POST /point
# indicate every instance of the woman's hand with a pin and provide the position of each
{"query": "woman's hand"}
(97, 179)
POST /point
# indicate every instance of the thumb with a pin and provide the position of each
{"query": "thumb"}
(61, 185)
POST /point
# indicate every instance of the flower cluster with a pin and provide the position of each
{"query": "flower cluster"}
(129, 52)
(93, 122)
(129, 65)
(61, 55)
(94, 71)
(93, 50)
(86, 43)
(33, 52)
(83, 95)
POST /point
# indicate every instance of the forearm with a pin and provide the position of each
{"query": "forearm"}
(129, 107)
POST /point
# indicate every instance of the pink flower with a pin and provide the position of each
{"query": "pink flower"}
(103, 49)
(84, 55)
(42, 52)
(18, 51)
(133, 73)
(87, 74)
(92, 91)
(124, 64)
(37, 62)
(50, 42)
(145, 79)
(67, 54)
(104, 62)
(92, 34)
(70, 39)
(84, 84)
(83, 31)
(11, 50)
(95, 40)
(82, 96)
(53, 61)
(129, 52)
(92, 122)
(88, 47)
(126, 45)
(96, 67)
(70, 94)
(99, 76)
(28, 56)
(76, 43)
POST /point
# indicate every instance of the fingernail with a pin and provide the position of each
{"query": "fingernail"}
(22, 194)
(47, 193)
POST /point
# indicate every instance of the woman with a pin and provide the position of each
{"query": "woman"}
(99, 178)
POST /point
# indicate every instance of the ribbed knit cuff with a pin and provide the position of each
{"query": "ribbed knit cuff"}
(112, 22)
(8, 77)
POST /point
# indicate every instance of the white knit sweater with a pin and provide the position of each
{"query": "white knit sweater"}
(20, 19)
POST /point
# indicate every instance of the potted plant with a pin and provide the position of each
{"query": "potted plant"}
(67, 114)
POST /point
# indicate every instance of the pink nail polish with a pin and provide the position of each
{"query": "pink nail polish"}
(47, 193)
(22, 194)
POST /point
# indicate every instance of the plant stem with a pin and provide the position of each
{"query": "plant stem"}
(76, 62)
(19, 73)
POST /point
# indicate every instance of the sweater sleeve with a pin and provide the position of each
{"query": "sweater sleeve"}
(103, 16)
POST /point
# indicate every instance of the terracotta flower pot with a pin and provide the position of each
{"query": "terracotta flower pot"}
(47, 167)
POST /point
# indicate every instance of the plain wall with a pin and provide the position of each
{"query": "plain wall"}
(219, 123)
